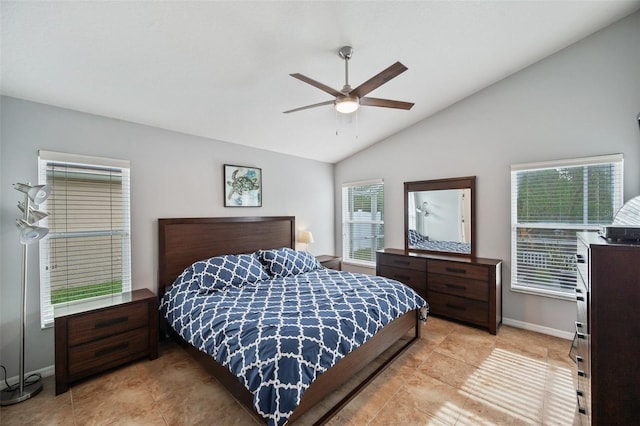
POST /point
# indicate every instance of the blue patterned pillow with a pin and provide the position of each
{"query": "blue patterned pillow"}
(285, 261)
(228, 270)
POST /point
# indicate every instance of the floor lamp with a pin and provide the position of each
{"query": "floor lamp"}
(29, 233)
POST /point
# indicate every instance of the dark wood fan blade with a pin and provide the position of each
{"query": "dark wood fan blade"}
(387, 103)
(378, 80)
(333, 92)
(309, 106)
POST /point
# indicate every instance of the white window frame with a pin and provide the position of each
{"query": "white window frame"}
(346, 223)
(516, 228)
(47, 309)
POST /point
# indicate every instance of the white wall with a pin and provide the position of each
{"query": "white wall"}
(172, 175)
(582, 101)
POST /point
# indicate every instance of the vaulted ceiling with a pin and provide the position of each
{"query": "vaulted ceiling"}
(221, 69)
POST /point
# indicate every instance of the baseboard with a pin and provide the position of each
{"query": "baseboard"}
(44, 372)
(538, 328)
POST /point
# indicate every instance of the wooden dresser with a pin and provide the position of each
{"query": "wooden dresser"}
(463, 289)
(93, 336)
(607, 330)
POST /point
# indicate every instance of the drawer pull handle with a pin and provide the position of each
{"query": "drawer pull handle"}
(582, 410)
(456, 270)
(579, 392)
(115, 348)
(580, 298)
(578, 325)
(581, 373)
(456, 287)
(456, 307)
(110, 322)
(579, 359)
(578, 290)
(401, 262)
(581, 336)
(579, 258)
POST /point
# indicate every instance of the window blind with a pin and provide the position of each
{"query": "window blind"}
(362, 221)
(550, 203)
(87, 251)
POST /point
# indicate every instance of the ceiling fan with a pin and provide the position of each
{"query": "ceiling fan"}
(349, 100)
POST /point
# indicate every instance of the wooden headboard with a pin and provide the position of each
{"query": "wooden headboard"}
(183, 241)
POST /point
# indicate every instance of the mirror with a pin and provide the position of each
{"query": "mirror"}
(439, 216)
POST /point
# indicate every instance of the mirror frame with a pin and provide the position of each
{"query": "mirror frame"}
(468, 182)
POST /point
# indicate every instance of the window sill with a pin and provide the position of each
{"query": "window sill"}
(569, 297)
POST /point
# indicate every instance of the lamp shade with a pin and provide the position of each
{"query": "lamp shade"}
(34, 215)
(347, 104)
(306, 237)
(29, 233)
(38, 194)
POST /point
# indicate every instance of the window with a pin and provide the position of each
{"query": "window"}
(87, 251)
(550, 203)
(362, 221)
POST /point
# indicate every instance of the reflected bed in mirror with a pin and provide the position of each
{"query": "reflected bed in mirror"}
(439, 216)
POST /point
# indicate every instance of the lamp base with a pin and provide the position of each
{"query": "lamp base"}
(8, 397)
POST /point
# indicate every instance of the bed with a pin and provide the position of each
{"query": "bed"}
(419, 241)
(184, 242)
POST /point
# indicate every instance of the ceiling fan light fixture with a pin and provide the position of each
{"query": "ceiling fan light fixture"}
(347, 104)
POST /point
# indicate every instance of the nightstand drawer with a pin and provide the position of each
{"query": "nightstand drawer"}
(458, 307)
(458, 286)
(331, 262)
(107, 322)
(458, 269)
(97, 335)
(131, 344)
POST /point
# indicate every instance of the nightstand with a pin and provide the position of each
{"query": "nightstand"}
(331, 262)
(96, 335)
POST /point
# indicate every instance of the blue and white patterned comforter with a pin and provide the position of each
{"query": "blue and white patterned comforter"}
(279, 335)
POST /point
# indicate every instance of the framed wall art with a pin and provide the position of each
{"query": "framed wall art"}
(242, 186)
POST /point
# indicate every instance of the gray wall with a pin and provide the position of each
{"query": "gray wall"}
(172, 175)
(582, 101)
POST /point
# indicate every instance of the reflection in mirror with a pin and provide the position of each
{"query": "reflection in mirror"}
(438, 220)
(439, 215)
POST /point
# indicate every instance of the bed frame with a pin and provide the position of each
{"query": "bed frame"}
(183, 241)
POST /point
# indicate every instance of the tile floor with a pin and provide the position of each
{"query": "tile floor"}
(455, 375)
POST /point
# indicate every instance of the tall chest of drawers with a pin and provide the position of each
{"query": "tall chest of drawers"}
(463, 289)
(607, 330)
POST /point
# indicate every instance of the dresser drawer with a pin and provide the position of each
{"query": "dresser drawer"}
(412, 278)
(582, 304)
(458, 308)
(405, 262)
(105, 351)
(474, 272)
(107, 322)
(458, 286)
